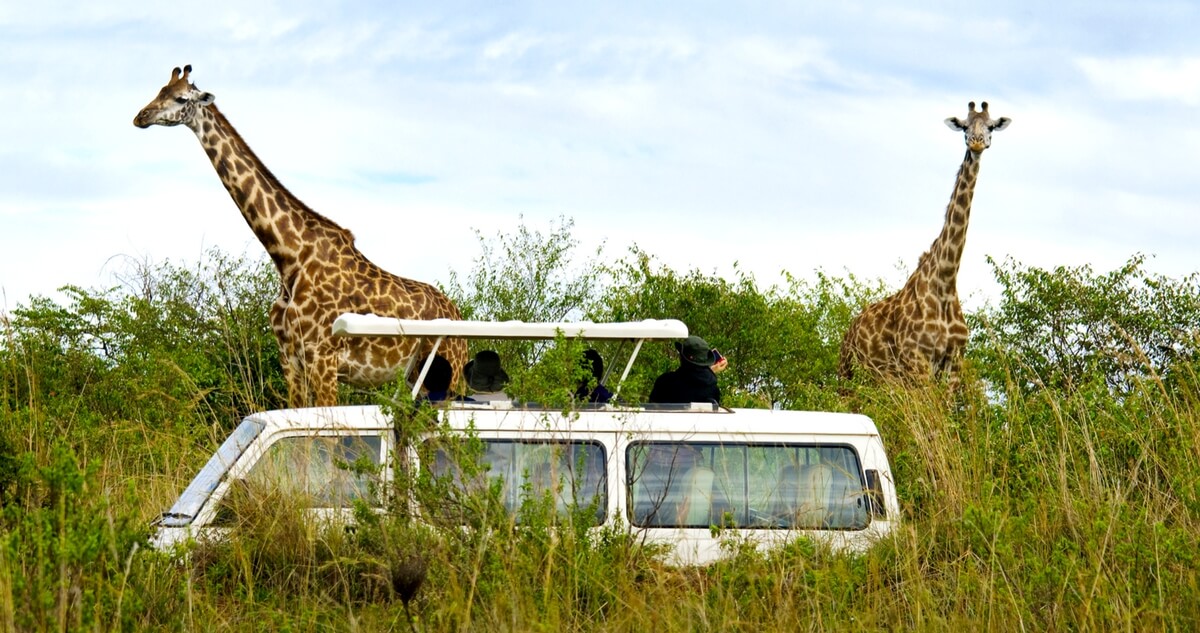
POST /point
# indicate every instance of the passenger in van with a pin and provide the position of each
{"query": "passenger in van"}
(594, 363)
(437, 381)
(694, 380)
(486, 377)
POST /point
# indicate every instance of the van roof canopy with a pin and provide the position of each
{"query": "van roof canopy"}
(351, 324)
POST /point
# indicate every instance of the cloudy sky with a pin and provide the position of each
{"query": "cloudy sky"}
(795, 136)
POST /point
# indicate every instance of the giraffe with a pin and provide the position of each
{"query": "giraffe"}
(920, 331)
(321, 271)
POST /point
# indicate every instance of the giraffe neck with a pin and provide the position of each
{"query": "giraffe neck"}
(946, 252)
(281, 221)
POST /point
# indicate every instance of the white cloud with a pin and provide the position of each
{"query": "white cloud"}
(788, 60)
(784, 137)
(511, 46)
(1141, 78)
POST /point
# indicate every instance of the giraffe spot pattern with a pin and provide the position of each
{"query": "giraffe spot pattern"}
(322, 274)
(920, 331)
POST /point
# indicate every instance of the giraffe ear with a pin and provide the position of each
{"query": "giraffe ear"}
(206, 99)
(1001, 123)
(956, 124)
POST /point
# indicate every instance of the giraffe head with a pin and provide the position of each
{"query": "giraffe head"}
(978, 127)
(176, 103)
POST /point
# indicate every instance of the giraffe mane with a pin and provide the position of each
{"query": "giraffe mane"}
(243, 146)
(183, 75)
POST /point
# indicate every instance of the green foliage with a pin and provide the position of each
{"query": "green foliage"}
(535, 569)
(529, 275)
(554, 379)
(782, 344)
(170, 344)
(1069, 327)
(68, 550)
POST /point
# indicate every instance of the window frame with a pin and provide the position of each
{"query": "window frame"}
(514, 493)
(667, 513)
(383, 460)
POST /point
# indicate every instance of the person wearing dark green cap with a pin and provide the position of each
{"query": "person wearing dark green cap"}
(693, 380)
(486, 377)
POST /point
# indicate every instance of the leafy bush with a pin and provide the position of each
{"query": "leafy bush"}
(68, 550)
(529, 275)
(1069, 327)
(172, 344)
(782, 343)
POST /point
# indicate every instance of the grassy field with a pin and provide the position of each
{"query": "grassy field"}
(1040, 513)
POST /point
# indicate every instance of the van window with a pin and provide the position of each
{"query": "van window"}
(316, 466)
(573, 473)
(699, 484)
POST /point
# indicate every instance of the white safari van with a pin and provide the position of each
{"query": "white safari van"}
(669, 473)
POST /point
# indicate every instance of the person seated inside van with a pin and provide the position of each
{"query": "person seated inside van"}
(437, 381)
(694, 380)
(594, 364)
(486, 377)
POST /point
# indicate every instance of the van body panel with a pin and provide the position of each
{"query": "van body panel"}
(819, 444)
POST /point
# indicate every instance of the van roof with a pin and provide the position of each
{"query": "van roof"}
(677, 422)
(350, 324)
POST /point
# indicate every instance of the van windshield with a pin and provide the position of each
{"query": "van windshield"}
(197, 493)
(328, 471)
(573, 474)
(789, 486)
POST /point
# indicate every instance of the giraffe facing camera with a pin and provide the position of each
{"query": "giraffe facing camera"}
(920, 332)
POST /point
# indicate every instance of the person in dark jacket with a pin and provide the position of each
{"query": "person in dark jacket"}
(693, 380)
(437, 382)
(594, 364)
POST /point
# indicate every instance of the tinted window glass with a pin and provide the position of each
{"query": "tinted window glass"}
(317, 467)
(572, 473)
(698, 485)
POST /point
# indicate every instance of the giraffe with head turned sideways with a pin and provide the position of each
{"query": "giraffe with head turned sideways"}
(321, 271)
(919, 332)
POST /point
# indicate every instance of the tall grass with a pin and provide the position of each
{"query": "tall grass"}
(1070, 510)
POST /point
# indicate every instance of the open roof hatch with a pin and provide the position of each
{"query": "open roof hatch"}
(350, 324)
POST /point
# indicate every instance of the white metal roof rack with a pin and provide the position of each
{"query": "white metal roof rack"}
(350, 324)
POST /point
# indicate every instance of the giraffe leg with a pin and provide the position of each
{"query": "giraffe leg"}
(321, 372)
(915, 366)
(953, 369)
(846, 359)
(851, 354)
(293, 373)
(291, 356)
(455, 351)
(293, 362)
(301, 388)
